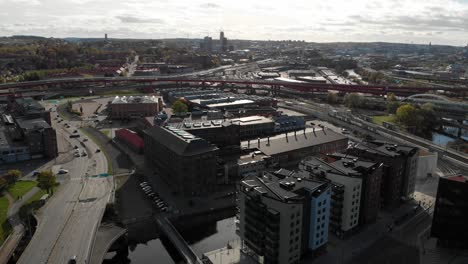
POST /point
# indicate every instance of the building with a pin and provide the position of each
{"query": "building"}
(370, 174)
(132, 107)
(287, 150)
(253, 163)
(399, 169)
(39, 136)
(188, 163)
(285, 123)
(218, 132)
(427, 164)
(131, 139)
(27, 107)
(281, 219)
(449, 224)
(207, 44)
(349, 204)
(10, 149)
(254, 126)
(223, 42)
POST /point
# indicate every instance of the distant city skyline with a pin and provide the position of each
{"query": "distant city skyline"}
(417, 21)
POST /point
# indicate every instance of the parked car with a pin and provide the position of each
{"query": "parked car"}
(98, 150)
(62, 171)
(75, 131)
(85, 139)
(72, 260)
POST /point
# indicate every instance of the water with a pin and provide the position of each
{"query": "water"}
(441, 140)
(147, 253)
(202, 239)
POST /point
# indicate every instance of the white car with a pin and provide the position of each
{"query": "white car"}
(62, 171)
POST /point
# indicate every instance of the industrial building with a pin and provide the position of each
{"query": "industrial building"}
(281, 219)
(254, 126)
(449, 224)
(188, 163)
(288, 149)
(253, 163)
(399, 169)
(132, 107)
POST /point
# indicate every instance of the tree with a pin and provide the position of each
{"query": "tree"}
(14, 175)
(46, 181)
(407, 115)
(353, 100)
(391, 97)
(179, 107)
(392, 106)
(332, 98)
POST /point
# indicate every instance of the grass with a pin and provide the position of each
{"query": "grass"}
(380, 119)
(38, 195)
(20, 188)
(4, 226)
(106, 132)
(109, 163)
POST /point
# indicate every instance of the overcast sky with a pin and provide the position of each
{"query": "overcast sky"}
(418, 21)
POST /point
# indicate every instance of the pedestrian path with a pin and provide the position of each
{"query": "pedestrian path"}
(15, 237)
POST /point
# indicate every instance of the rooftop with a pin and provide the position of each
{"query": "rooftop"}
(386, 148)
(31, 124)
(281, 188)
(180, 141)
(135, 100)
(292, 141)
(233, 103)
(250, 120)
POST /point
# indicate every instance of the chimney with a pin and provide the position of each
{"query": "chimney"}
(248, 143)
(258, 142)
(313, 129)
(304, 131)
(294, 133)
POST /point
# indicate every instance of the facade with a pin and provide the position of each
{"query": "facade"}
(254, 126)
(399, 169)
(287, 150)
(207, 44)
(281, 219)
(188, 163)
(253, 163)
(285, 123)
(223, 42)
(39, 136)
(427, 164)
(449, 224)
(134, 107)
(337, 174)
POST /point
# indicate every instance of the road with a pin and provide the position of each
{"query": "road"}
(69, 220)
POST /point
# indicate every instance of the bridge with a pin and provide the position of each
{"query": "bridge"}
(272, 85)
(177, 240)
(444, 107)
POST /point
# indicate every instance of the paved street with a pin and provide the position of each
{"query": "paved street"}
(68, 221)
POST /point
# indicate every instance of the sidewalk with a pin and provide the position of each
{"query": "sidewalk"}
(15, 237)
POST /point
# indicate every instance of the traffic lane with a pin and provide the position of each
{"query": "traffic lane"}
(83, 221)
(52, 217)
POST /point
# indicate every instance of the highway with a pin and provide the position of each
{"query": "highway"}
(69, 220)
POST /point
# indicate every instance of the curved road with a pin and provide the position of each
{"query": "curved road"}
(69, 220)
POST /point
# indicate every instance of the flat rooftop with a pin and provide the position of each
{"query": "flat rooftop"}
(180, 141)
(30, 124)
(251, 120)
(289, 142)
(233, 103)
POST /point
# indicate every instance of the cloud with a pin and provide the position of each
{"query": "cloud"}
(331, 20)
(209, 5)
(134, 19)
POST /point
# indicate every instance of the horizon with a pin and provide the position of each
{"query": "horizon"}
(396, 21)
(262, 40)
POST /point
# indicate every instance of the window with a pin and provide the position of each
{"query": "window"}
(319, 203)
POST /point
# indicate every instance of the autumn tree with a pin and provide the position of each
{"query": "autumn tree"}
(46, 181)
(179, 107)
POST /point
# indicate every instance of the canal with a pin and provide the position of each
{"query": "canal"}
(202, 239)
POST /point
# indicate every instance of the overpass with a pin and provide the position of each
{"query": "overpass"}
(444, 107)
(273, 85)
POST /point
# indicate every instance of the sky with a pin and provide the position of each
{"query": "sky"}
(404, 21)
